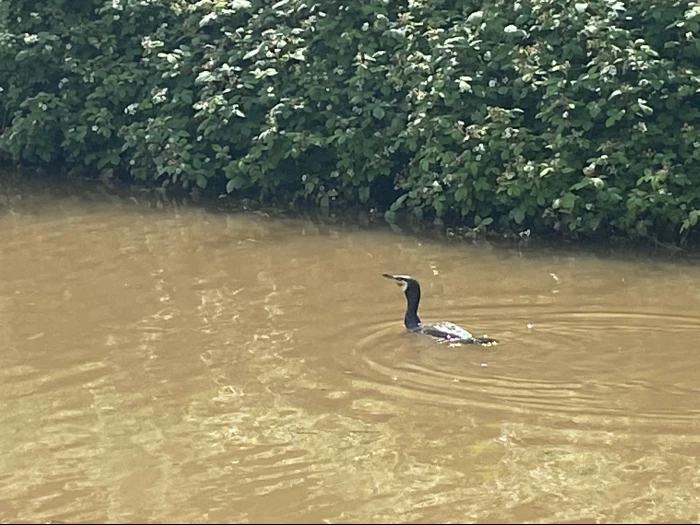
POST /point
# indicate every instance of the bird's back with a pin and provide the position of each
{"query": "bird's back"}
(446, 330)
(452, 332)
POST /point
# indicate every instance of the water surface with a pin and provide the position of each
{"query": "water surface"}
(180, 364)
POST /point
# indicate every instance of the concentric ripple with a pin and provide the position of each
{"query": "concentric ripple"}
(562, 365)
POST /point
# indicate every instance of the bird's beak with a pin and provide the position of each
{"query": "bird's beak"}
(398, 281)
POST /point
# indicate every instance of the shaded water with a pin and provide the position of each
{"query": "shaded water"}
(183, 365)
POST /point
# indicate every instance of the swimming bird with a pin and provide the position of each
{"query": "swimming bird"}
(445, 331)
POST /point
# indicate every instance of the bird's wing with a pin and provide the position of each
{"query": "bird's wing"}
(446, 330)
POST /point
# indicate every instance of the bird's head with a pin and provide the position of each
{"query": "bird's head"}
(408, 284)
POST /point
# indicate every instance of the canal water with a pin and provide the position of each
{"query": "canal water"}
(171, 363)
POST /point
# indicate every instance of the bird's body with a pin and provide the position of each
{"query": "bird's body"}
(444, 331)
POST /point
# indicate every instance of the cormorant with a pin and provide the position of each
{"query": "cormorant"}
(443, 330)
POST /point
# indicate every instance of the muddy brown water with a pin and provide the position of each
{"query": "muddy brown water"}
(177, 364)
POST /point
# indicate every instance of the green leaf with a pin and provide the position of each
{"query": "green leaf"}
(234, 184)
(614, 94)
(461, 194)
(398, 202)
(476, 17)
(647, 110)
(363, 193)
(518, 215)
(567, 201)
(299, 54)
(378, 113)
(253, 52)
(693, 217)
(204, 77)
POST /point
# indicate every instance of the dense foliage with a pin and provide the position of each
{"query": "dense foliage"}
(572, 116)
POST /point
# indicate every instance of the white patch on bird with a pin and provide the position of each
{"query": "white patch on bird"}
(404, 285)
(402, 277)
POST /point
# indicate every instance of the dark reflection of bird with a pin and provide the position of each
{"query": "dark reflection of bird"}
(444, 330)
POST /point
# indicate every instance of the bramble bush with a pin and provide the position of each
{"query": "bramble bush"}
(577, 117)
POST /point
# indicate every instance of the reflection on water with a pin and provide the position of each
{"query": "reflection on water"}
(186, 365)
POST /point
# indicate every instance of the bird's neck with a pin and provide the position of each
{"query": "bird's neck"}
(411, 319)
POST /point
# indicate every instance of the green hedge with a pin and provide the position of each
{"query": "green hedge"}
(578, 117)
